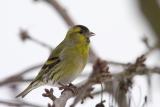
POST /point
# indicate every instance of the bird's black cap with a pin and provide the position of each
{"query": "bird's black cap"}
(83, 28)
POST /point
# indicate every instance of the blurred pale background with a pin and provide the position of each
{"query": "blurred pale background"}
(118, 25)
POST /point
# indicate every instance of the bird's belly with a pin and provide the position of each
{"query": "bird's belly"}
(64, 80)
(70, 72)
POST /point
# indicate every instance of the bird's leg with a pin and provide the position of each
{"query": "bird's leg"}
(70, 87)
(73, 88)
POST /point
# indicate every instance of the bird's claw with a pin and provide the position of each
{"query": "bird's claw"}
(69, 87)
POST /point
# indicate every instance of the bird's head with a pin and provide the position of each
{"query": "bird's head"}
(79, 34)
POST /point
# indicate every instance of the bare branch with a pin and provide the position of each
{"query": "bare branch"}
(136, 69)
(19, 77)
(18, 104)
(61, 11)
(49, 94)
(25, 36)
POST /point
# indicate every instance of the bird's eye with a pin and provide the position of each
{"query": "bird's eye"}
(81, 31)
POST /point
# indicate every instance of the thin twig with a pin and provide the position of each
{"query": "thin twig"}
(19, 104)
(117, 63)
(69, 22)
(24, 35)
(19, 76)
(61, 11)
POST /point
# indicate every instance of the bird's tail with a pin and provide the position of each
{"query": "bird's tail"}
(32, 86)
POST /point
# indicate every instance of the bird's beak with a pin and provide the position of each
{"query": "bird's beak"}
(91, 34)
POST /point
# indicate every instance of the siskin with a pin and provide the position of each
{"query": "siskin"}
(66, 61)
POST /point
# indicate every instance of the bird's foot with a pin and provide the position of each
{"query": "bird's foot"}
(70, 87)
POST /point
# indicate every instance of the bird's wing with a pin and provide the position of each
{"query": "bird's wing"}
(53, 60)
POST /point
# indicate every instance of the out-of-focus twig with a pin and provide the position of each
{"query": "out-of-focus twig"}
(25, 36)
(150, 9)
(69, 22)
(19, 104)
(116, 63)
(19, 76)
(150, 49)
(61, 11)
